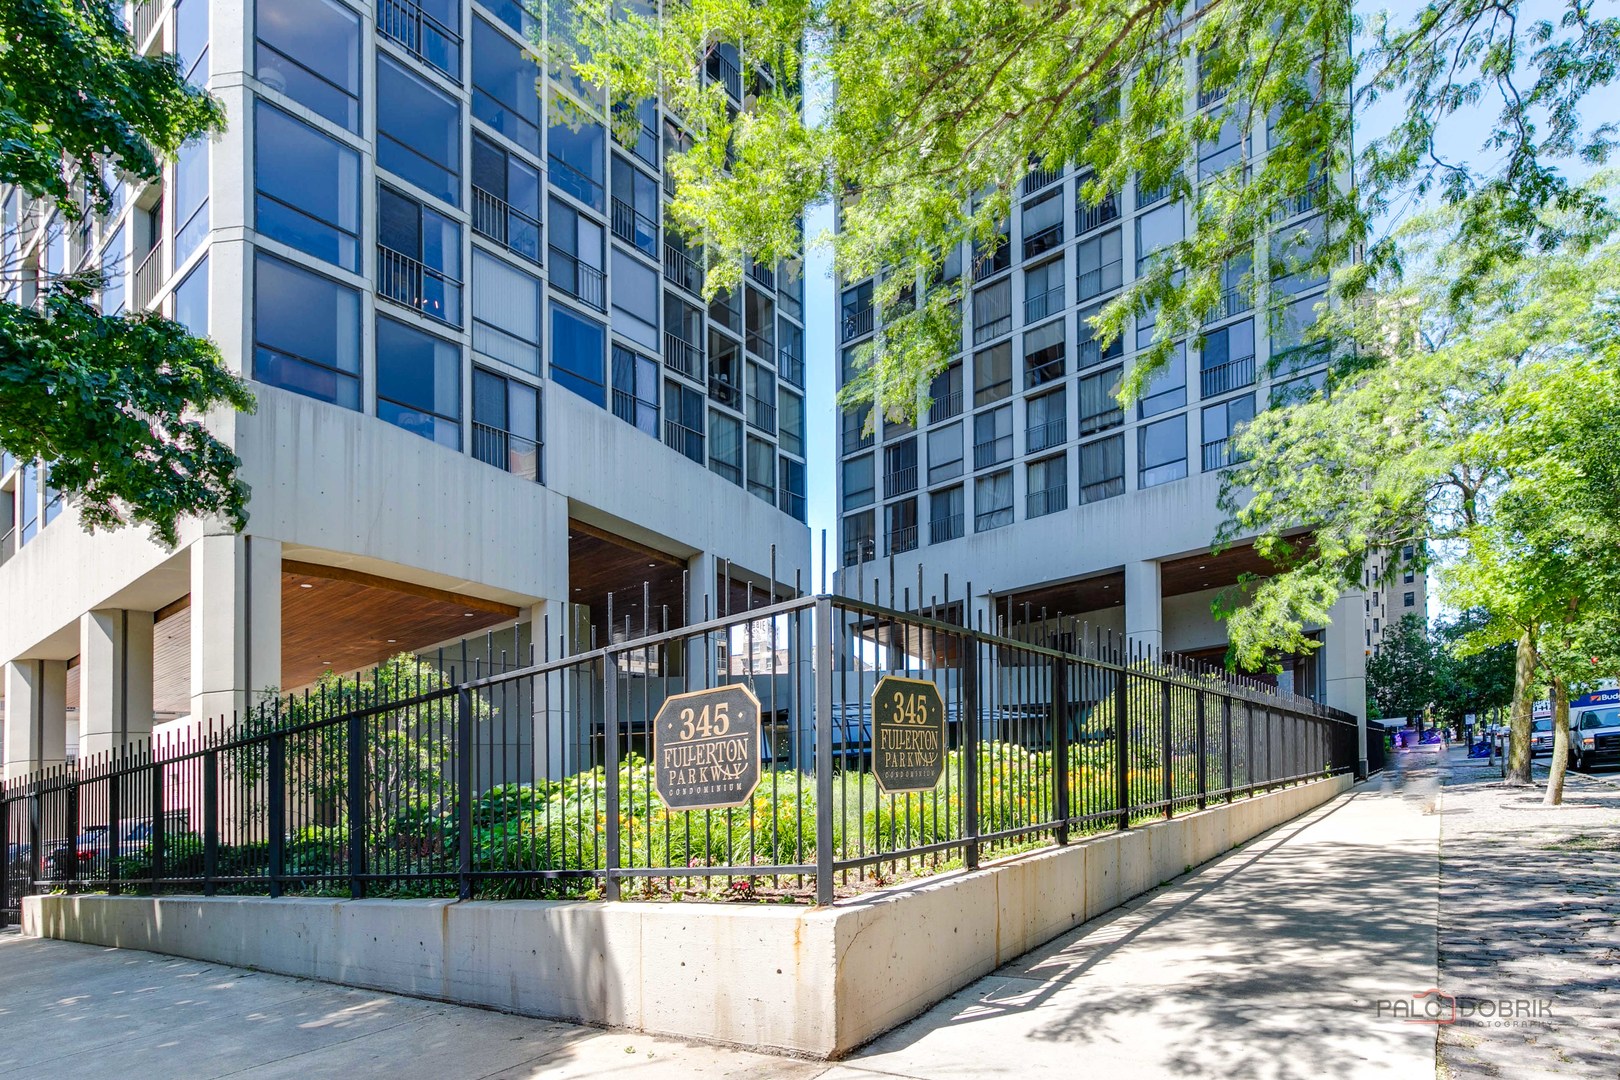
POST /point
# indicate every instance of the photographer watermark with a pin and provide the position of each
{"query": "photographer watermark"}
(1435, 1006)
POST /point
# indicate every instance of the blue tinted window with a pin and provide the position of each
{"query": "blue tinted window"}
(428, 277)
(191, 300)
(419, 382)
(308, 188)
(191, 38)
(310, 51)
(190, 198)
(112, 269)
(504, 95)
(521, 15)
(577, 155)
(306, 332)
(576, 355)
(418, 132)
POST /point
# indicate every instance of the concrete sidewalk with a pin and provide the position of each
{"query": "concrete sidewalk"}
(1266, 963)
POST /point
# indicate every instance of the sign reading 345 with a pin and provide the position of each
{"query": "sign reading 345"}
(706, 749)
(908, 734)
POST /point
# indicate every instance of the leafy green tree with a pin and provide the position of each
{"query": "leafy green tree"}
(1404, 679)
(940, 109)
(115, 403)
(1474, 679)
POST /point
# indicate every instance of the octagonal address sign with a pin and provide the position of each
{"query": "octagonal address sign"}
(908, 734)
(706, 748)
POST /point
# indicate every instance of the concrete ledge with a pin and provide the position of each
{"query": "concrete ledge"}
(818, 982)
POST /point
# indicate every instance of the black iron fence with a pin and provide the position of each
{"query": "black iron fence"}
(449, 778)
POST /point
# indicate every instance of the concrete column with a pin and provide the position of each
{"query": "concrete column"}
(1144, 606)
(36, 716)
(553, 755)
(1345, 664)
(235, 623)
(702, 600)
(115, 680)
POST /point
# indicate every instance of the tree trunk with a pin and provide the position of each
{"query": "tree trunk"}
(1560, 755)
(1524, 704)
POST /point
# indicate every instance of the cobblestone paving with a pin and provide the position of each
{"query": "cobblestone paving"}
(1529, 913)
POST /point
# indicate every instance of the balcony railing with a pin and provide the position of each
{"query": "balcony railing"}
(8, 545)
(1102, 489)
(423, 36)
(502, 449)
(945, 406)
(680, 270)
(854, 439)
(1043, 241)
(628, 407)
(1219, 454)
(149, 278)
(857, 322)
(992, 452)
(902, 539)
(578, 280)
(1234, 301)
(407, 281)
(566, 177)
(634, 227)
(1095, 217)
(762, 274)
(686, 440)
(1228, 376)
(859, 549)
(496, 219)
(1040, 305)
(900, 481)
(762, 413)
(146, 16)
(1304, 202)
(985, 266)
(1051, 433)
(1038, 178)
(941, 529)
(683, 357)
(722, 70)
(791, 366)
(1047, 501)
(1096, 282)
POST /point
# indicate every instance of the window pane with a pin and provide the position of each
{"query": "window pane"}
(306, 333)
(1167, 389)
(190, 198)
(860, 481)
(576, 355)
(418, 132)
(725, 446)
(1102, 469)
(191, 300)
(506, 313)
(577, 152)
(635, 300)
(191, 39)
(1162, 451)
(419, 382)
(310, 51)
(308, 188)
(504, 96)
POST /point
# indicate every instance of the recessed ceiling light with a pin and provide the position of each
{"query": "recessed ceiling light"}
(466, 614)
(1200, 566)
(305, 585)
(391, 640)
(651, 564)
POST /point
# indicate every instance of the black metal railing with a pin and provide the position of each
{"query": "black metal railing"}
(1219, 453)
(1039, 305)
(1095, 217)
(421, 778)
(496, 219)
(421, 35)
(680, 269)
(790, 365)
(1047, 501)
(1304, 202)
(901, 540)
(854, 438)
(1038, 178)
(942, 529)
(1043, 241)
(634, 227)
(723, 71)
(687, 440)
(857, 322)
(1231, 375)
(992, 451)
(517, 455)
(762, 273)
(900, 481)
(989, 264)
(413, 283)
(682, 356)
(859, 549)
(945, 406)
(1039, 437)
(584, 283)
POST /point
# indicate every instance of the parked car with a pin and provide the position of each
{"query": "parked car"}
(1541, 737)
(91, 852)
(1596, 735)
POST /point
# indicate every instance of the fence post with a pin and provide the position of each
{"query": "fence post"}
(356, 739)
(610, 765)
(1226, 729)
(210, 820)
(823, 674)
(1165, 735)
(464, 793)
(5, 843)
(1203, 756)
(1122, 745)
(278, 810)
(970, 751)
(115, 828)
(1060, 743)
(70, 797)
(1248, 738)
(157, 820)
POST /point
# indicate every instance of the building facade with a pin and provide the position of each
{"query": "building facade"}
(490, 397)
(1395, 586)
(1028, 480)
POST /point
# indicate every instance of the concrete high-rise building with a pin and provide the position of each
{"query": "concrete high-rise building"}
(1028, 480)
(489, 393)
(1395, 587)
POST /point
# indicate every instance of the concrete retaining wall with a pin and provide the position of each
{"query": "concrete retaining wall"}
(819, 982)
